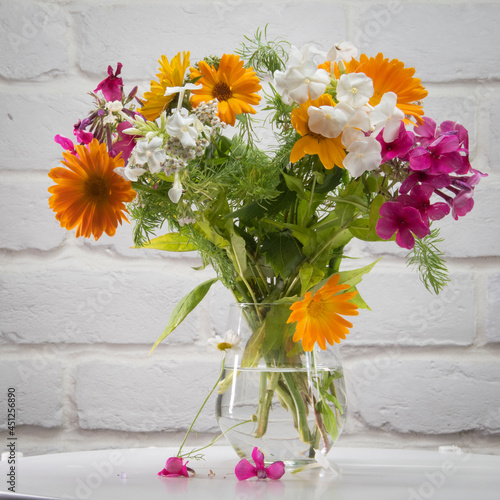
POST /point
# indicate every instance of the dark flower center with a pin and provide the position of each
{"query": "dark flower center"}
(96, 189)
(222, 91)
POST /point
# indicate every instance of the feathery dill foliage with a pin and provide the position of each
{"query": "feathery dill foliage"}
(150, 209)
(427, 259)
(281, 115)
(263, 55)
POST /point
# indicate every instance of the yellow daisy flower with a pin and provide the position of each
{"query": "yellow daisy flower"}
(171, 75)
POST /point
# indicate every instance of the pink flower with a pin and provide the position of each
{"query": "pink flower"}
(126, 142)
(174, 468)
(399, 147)
(404, 220)
(245, 470)
(79, 131)
(111, 87)
(419, 198)
(66, 143)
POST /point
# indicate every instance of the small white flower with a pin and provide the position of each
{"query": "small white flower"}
(114, 107)
(329, 121)
(130, 174)
(150, 151)
(185, 128)
(175, 192)
(354, 89)
(387, 116)
(363, 156)
(343, 51)
(230, 341)
(302, 79)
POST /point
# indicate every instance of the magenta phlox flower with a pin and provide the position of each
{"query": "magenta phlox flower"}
(436, 181)
(419, 198)
(245, 470)
(425, 133)
(406, 221)
(399, 147)
(441, 156)
(125, 144)
(82, 136)
(174, 468)
(66, 143)
(460, 132)
(112, 86)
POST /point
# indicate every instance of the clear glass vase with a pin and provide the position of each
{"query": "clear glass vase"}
(273, 395)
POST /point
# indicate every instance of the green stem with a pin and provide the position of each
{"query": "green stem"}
(197, 450)
(202, 406)
(300, 406)
(266, 398)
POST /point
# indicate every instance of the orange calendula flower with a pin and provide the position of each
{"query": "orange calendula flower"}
(318, 315)
(390, 76)
(171, 75)
(88, 194)
(231, 84)
(331, 152)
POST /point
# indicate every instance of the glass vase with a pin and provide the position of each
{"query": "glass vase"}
(275, 396)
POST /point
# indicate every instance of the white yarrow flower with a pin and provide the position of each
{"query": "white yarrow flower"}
(354, 89)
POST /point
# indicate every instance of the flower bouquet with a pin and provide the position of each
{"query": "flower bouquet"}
(354, 158)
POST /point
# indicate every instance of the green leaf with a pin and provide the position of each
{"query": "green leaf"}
(276, 328)
(238, 253)
(282, 252)
(355, 276)
(329, 419)
(330, 181)
(183, 308)
(172, 242)
(309, 276)
(206, 230)
(295, 184)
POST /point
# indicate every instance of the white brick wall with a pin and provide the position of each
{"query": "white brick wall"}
(79, 317)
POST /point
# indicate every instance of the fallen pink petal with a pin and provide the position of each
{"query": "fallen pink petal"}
(174, 468)
(245, 470)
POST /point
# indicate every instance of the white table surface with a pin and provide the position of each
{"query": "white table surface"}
(365, 474)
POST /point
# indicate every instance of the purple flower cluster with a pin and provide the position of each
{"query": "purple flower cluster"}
(438, 164)
(117, 141)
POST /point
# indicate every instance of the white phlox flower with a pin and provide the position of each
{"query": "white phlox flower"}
(387, 116)
(302, 79)
(329, 121)
(175, 192)
(343, 51)
(185, 128)
(150, 151)
(363, 156)
(230, 341)
(114, 107)
(181, 91)
(358, 124)
(354, 89)
(129, 173)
